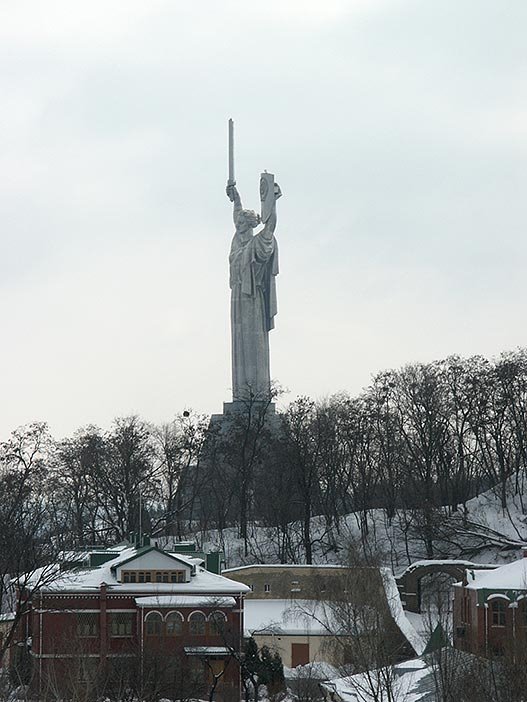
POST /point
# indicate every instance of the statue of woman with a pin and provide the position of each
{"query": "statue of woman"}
(253, 266)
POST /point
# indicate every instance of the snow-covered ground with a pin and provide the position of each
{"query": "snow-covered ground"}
(411, 681)
(319, 670)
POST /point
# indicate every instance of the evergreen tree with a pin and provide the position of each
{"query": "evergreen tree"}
(262, 667)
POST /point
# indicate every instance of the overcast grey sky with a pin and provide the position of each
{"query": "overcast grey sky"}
(397, 130)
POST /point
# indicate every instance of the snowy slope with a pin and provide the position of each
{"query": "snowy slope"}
(483, 533)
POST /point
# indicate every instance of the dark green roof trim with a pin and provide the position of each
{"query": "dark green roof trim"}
(512, 595)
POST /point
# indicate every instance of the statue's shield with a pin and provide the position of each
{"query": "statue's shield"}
(267, 196)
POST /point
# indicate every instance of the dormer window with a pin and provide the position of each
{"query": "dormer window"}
(153, 576)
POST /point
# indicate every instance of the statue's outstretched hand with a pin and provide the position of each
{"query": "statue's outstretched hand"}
(232, 192)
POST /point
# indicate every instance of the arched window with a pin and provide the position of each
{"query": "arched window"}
(154, 624)
(174, 624)
(217, 622)
(197, 622)
(498, 609)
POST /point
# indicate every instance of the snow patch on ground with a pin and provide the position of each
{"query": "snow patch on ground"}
(410, 681)
(318, 670)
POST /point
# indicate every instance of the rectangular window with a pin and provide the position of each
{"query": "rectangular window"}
(498, 610)
(88, 624)
(267, 587)
(157, 576)
(121, 623)
(162, 577)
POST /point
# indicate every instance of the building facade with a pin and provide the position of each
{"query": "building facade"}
(490, 611)
(136, 616)
(294, 610)
(287, 581)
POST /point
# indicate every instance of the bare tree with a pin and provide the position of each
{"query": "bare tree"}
(74, 496)
(126, 478)
(178, 446)
(362, 637)
(27, 542)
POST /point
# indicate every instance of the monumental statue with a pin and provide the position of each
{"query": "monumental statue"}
(253, 262)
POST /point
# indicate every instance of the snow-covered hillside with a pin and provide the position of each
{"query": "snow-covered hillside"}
(483, 532)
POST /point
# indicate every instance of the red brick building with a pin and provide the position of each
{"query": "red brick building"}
(490, 610)
(137, 617)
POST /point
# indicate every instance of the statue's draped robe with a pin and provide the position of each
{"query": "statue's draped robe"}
(253, 267)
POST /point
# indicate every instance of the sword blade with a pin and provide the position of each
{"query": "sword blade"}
(232, 181)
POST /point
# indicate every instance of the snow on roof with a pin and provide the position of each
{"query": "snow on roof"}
(393, 598)
(444, 562)
(301, 617)
(89, 579)
(420, 623)
(191, 560)
(413, 681)
(472, 576)
(512, 576)
(282, 566)
(163, 601)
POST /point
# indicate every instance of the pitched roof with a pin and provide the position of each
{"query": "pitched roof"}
(89, 579)
(141, 551)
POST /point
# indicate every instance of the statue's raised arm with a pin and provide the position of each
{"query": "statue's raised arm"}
(234, 197)
(244, 220)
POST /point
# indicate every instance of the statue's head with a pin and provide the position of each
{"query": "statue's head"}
(246, 219)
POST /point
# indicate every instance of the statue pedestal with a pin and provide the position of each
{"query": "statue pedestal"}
(234, 409)
(255, 406)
